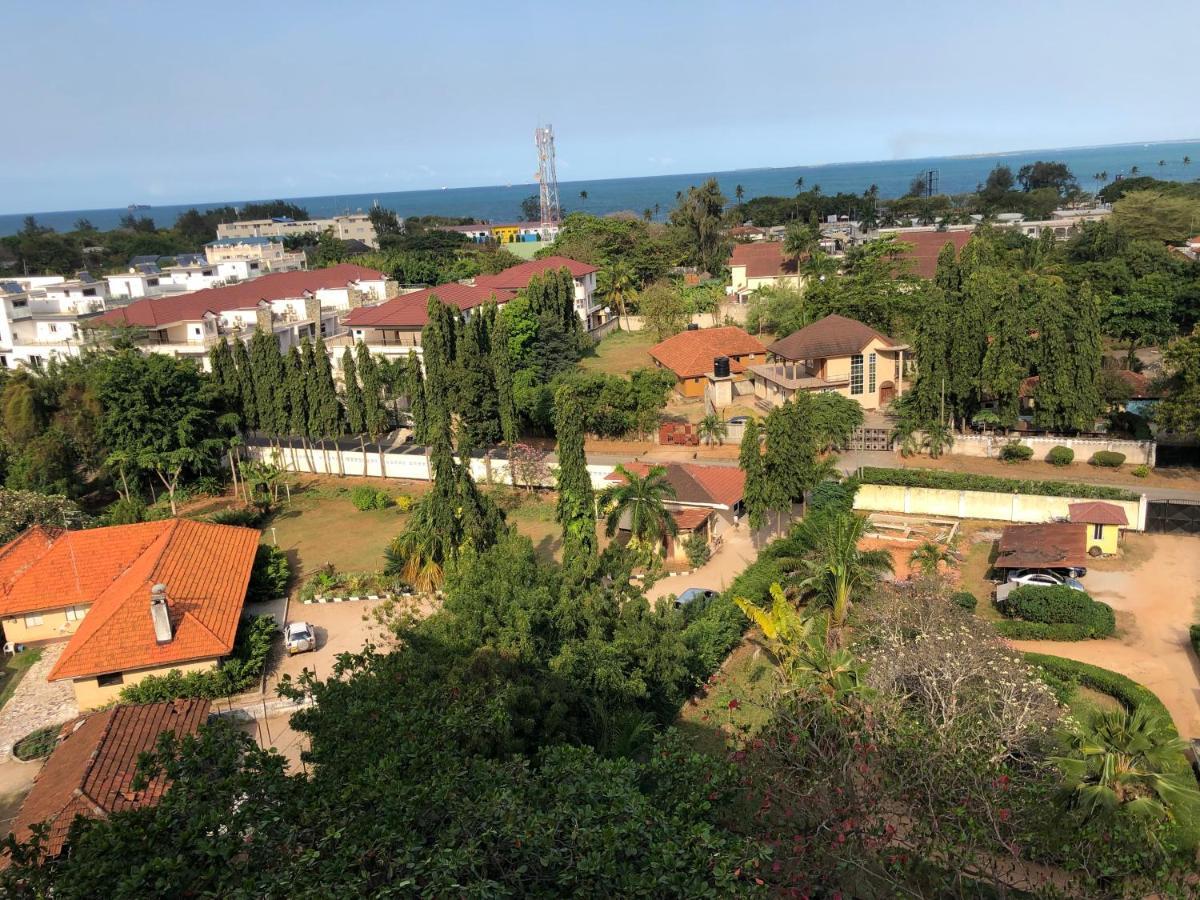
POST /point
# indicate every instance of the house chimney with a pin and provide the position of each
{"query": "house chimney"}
(160, 614)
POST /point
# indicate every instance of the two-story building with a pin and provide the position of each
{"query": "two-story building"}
(761, 264)
(832, 354)
(349, 227)
(269, 254)
(515, 278)
(43, 317)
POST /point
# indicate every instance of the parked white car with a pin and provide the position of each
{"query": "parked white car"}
(1035, 578)
(299, 637)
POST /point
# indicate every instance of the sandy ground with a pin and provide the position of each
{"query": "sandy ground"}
(340, 628)
(737, 551)
(1155, 591)
(16, 778)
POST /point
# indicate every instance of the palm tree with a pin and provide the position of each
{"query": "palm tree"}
(1187, 160)
(1122, 761)
(641, 501)
(416, 556)
(800, 185)
(712, 429)
(833, 570)
(1104, 174)
(739, 192)
(1133, 170)
(929, 558)
(800, 240)
(1162, 162)
(938, 438)
(583, 195)
(618, 283)
(647, 214)
(816, 189)
(819, 265)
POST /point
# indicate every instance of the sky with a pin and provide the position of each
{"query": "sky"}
(110, 103)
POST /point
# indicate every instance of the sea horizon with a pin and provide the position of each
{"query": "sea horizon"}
(957, 174)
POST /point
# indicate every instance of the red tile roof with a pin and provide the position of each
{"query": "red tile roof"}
(411, 310)
(1050, 546)
(694, 483)
(1094, 512)
(91, 771)
(156, 312)
(205, 567)
(691, 353)
(763, 259)
(831, 336)
(517, 277)
(690, 518)
(926, 245)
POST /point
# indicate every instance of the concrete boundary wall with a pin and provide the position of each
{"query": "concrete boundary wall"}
(411, 464)
(988, 446)
(920, 501)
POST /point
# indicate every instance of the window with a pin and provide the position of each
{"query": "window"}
(871, 374)
(1097, 532)
(33, 621)
(856, 374)
(76, 613)
(112, 679)
(89, 292)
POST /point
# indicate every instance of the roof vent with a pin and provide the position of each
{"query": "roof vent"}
(160, 614)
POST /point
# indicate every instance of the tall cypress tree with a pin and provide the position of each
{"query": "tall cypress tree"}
(576, 510)
(414, 390)
(352, 393)
(1086, 396)
(478, 410)
(266, 364)
(327, 413)
(224, 371)
(297, 395)
(245, 382)
(437, 343)
(502, 373)
(1006, 362)
(756, 494)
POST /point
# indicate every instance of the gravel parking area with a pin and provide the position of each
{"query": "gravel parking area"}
(36, 702)
(340, 628)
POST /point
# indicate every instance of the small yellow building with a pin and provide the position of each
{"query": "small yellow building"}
(505, 234)
(130, 601)
(1103, 523)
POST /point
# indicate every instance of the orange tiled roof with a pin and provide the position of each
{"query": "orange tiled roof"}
(690, 518)
(690, 353)
(91, 771)
(205, 567)
(693, 483)
(926, 245)
(763, 259)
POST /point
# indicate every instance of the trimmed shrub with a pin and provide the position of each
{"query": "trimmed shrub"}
(696, 547)
(244, 516)
(404, 502)
(238, 673)
(363, 498)
(383, 500)
(1107, 459)
(270, 576)
(1059, 605)
(1018, 630)
(965, 481)
(1140, 471)
(1060, 456)
(1015, 452)
(965, 599)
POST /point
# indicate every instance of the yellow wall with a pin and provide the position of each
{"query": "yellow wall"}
(89, 694)
(55, 626)
(505, 234)
(1107, 542)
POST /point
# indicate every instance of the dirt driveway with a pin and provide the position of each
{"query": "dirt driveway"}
(340, 628)
(1154, 588)
(737, 551)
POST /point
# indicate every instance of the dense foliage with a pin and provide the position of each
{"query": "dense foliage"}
(965, 481)
(270, 575)
(1059, 605)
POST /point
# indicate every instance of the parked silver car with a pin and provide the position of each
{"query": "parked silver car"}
(695, 594)
(1039, 578)
(299, 637)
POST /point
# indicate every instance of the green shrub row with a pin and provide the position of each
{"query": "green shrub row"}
(239, 672)
(1059, 605)
(365, 498)
(1060, 456)
(1019, 630)
(966, 481)
(245, 516)
(1107, 459)
(1059, 672)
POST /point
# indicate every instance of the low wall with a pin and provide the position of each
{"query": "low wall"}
(986, 445)
(981, 504)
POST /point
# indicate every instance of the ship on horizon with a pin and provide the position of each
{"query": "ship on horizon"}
(134, 207)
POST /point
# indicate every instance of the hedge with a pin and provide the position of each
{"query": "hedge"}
(1107, 459)
(1059, 605)
(966, 481)
(1020, 630)
(239, 672)
(365, 498)
(1060, 456)
(270, 575)
(1015, 452)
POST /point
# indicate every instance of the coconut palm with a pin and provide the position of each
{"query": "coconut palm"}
(618, 284)
(937, 439)
(832, 569)
(1121, 761)
(800, 185)
(739, 192)
(641, 501)
(800, 240)
(416, 557)
(929, 558)
(583, 195)
(1133, 170)
(1187, 160)
(712, 429)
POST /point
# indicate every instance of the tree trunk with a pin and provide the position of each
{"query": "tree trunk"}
(362, 446)
(233, 472)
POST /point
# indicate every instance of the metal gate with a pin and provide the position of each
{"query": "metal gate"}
(870, 439)
(1173, 516)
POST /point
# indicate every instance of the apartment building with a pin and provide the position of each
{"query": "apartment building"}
(587, 306)
(269, 255)
(353, 226)
(41, 317)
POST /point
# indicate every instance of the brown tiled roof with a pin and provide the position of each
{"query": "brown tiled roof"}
(926, 245)
(515, 278)
(1094, 512)
(693, 483)
(690, 518)
(763, 259)
(1054, 545)
(205, 567)
(412, 310)
(691, 353)
(829, 337)
(155, 312)
(92, 769)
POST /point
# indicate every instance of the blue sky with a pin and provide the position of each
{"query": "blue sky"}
(111, 103)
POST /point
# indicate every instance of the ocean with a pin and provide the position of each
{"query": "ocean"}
(956, 174)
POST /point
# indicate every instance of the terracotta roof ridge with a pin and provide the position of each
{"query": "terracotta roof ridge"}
(187, 614)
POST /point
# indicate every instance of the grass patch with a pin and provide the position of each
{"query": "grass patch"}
(735, 701)
(620, 353)
(37, 744)
(15, 669)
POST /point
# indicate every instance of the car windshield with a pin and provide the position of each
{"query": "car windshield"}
(298, 630)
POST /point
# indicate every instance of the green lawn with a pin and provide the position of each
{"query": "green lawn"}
(715, 721)
(620, 352)
(15, 669)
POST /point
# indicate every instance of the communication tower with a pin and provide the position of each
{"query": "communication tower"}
(547, 176)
